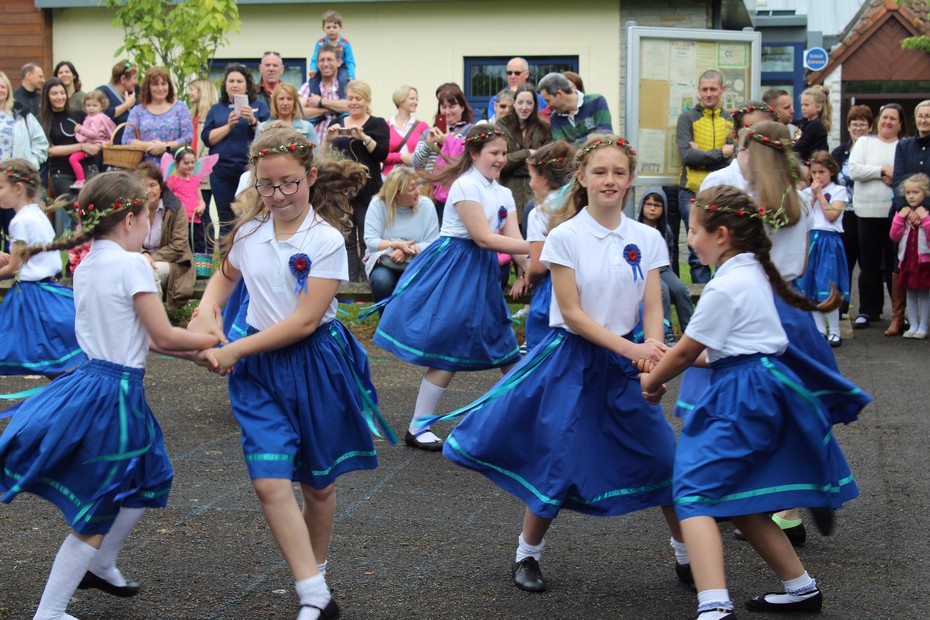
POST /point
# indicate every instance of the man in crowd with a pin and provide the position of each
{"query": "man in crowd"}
(271, 68)
(783, 103)
(518, 71)
(324, 97)
(30, 91)
(574, 114)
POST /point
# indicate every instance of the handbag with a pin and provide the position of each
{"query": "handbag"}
(203, 262)
(386, 261)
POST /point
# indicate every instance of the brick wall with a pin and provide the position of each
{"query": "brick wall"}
(26, 33)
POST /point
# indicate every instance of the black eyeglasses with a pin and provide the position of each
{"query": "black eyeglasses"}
(287, 188)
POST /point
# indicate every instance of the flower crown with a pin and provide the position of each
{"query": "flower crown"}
(773, 218)
(746, 109)
(92, 214)
(619, 142)
(555, 161)
(16, 177)
(290, 147)
(484, 135)
(786, 144)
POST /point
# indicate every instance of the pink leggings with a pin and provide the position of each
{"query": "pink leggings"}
(74, 159)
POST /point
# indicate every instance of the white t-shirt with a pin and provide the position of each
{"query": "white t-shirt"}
(789, 244)
(833, 193)
(731, 175)
(106, 324)
(608, 290)
(30, 225)
(474, 187)
(736, 314)
(537, 223)
(264, 263)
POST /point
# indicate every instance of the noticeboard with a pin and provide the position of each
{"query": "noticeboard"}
(663, 66)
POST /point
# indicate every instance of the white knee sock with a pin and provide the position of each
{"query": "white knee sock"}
(525, 550)
(104, 564)
(923, 311)
(818, 319)
(681, 553)
(427, 400)
(912, 310)
(71, 562)
(833, 321)
(312, 591)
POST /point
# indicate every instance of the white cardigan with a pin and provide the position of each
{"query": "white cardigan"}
(871, 197)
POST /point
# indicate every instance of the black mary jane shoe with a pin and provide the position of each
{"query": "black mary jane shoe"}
(809, 605)
(414, 442)
(729, 616)
(330, 612)
(91, 580)
(824, 519)
(683, 572)
(861, 322)
(527, 575)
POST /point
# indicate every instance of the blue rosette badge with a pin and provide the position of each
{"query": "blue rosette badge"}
(501, 218)
(633, 256)
(300, 267)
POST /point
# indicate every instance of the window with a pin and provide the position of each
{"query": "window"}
(487, 76)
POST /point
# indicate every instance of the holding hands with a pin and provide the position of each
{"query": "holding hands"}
(220, 361)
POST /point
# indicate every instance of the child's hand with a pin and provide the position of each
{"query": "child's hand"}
(652, 394)
(311, 74)
(79, 128)
(816, 190)
(209, 322)
(644, 366)
(921, 212)
(4, 259)
(651, 350)
(221, 361)
(199, 210)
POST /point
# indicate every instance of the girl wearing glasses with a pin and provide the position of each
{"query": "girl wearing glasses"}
(299, 382)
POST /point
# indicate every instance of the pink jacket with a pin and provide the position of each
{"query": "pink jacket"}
(96, 128)
(899, 232)
(393, 157)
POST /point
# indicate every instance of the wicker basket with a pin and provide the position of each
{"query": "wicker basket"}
(123, 156)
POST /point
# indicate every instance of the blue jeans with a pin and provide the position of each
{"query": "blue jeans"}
(383, 281)
(674, 291)
(700, 274)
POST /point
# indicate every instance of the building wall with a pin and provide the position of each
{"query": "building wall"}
(26, 35)
(835, 83)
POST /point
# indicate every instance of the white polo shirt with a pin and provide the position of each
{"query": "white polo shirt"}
(833, 193)
(609, 291)
(736, 314)
(730, 175)
(475, 187)
(789, 244)
(537, 223)
(264, 263)
(106, 325)
(30, 225)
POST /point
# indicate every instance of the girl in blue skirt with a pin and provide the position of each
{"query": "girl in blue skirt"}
(568, 427)
(299, 382)
(448, 312)
(551, 169)
(89, 443)
(37, 314)
(757, 440)
(826, 256)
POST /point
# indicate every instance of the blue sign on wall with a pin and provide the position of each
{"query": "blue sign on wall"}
(815, 58)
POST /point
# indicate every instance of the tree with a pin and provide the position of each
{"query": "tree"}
(180, 35)
(921, 42)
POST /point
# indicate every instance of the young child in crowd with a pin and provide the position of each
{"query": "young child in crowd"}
(332, 28)
(814, 126)
(299, 385)
(826, 258)
(731, 461)
(97, 128)
(551, 170)
(37, 314)
(184, 176)
(503, 105)
(546, 430)
(910, 229)
(652, 213)
(89, 443)
(447, 313)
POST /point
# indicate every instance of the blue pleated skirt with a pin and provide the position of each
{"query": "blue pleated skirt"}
(37, 330)
(808, 355)
(302, 409)
(448, 311)
(88, 443)
(235, 312)
(826, 265)
(568, 427)
(537, 319)
(758, 442)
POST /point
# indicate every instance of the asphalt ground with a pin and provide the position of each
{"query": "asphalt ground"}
(421, 538)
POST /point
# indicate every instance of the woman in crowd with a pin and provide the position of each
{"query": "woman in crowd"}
(166, 246)
(122, 91)
(439, 146)
(524, 133)
(287, 112)
(68, 75)
(164, 123)
(228, 131)
(406, 130)
(202, 96)
(871, 167)
(858, 123)
(399, 225)
(21, 137)
(363, 138)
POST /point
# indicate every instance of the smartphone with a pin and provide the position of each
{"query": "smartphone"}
(440, 123)
(239, 102)
(344, 131)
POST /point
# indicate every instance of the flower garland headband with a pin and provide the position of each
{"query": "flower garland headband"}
(772, 218)
(92, 214)
(290, 147)
(555, 161)
(786, 146)
(484, 135)
(16, 177)
(746, 109)
(619, 142)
